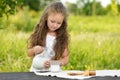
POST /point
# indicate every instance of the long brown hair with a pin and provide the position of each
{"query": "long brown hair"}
(38, 37)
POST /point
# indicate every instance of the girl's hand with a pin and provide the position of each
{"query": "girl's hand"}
(47, 64)
(38, 49)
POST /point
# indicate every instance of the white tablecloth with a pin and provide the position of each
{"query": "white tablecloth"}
(63, 74)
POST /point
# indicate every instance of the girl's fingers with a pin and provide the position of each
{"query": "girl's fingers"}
(47, 64)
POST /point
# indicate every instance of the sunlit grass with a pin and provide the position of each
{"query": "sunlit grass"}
(109, 24)
(13, 52)
(94, 51)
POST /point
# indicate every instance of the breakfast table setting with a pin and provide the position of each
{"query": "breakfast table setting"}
(56, 73)
(62, 75)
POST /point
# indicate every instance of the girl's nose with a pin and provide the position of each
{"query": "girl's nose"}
(55, 25)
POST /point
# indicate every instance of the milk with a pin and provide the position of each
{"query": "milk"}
(54, 66)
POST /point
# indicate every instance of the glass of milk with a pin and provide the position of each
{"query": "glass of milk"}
(54, 66)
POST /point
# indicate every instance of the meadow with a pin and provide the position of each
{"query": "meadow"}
(94, 42)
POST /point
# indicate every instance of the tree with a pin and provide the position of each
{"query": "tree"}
(114, 7)
(7, 7)
(33, 4)
(72, 7)
(94, 8)
(37, 4)
(90, 7)
(118, 5)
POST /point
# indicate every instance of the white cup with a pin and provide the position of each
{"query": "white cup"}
(54, 66)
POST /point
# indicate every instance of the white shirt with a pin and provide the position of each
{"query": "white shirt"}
(50, 41)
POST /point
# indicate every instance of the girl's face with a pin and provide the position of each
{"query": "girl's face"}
(54, 21)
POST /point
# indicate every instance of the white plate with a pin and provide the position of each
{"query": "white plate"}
(64, 74)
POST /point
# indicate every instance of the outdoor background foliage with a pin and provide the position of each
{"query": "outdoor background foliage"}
(94, 34)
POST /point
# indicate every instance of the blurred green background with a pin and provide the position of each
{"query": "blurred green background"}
(94, 34)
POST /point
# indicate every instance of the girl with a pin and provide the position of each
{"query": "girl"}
(51, 33)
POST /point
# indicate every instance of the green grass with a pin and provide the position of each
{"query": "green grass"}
(94, 51)
(108, 24)
(94, 43)
(13, 51)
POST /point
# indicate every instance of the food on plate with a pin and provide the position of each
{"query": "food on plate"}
(75, 73)
(89, 73)
(86, 73)
(92, 73)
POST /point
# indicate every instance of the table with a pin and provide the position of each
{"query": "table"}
(25, 76)
(32, 76)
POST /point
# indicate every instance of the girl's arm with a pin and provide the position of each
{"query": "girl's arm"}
(65, 58)
(34, 50)
(30, 52)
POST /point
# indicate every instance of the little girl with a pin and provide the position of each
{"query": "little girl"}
(50, 35)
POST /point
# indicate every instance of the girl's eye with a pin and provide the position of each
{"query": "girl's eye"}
(58, 23)
(52, 21)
